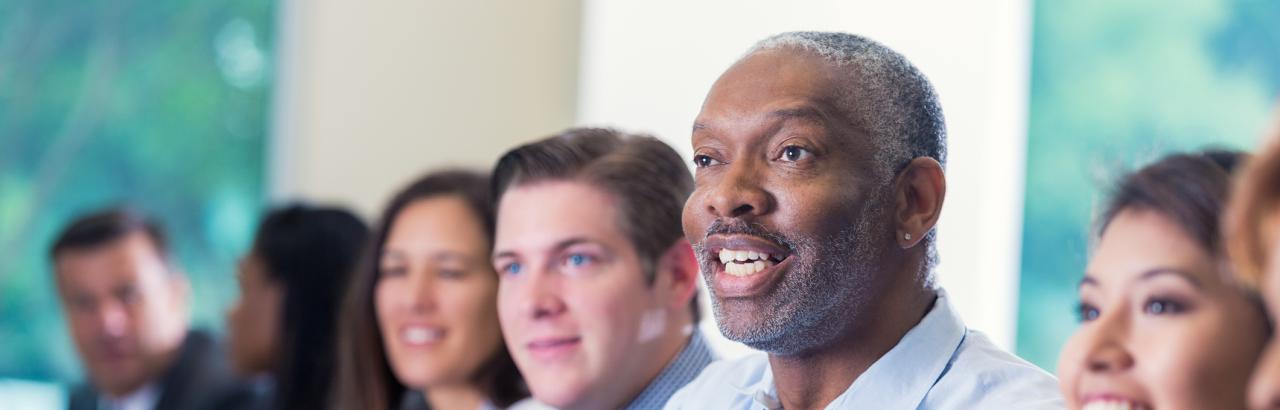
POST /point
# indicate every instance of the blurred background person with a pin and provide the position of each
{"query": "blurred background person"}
(127, 308)
(284, 325)
(1253, 243)
(421, 314)
(598, 289)
(1163, 324)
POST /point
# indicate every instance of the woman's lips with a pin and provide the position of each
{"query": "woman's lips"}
(420, 335)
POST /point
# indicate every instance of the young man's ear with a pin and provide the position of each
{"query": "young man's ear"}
(922, 186)
(677, 271)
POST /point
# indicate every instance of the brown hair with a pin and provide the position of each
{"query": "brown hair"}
(647, 177)
(1252, 224)
(365, 380)
(1189, 189)
(108, 225)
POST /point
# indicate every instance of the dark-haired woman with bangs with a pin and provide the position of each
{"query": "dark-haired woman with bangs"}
(1163, 323)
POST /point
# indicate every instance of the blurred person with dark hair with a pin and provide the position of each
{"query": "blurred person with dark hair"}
(1162, 322)
(1252, 235)
(420, 321)
(598, 285)
(291, 283)
(127, 307)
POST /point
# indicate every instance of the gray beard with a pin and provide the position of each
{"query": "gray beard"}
(826, 290)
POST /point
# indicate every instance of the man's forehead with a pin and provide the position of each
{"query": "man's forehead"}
(781, 72)
(772, 85)
(123, 259)
(546, 215)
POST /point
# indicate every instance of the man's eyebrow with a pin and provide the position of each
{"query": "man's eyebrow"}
(503, 254)
(562, 245)
(804, 113)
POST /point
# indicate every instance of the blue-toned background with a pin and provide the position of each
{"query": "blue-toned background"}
(1115, 84)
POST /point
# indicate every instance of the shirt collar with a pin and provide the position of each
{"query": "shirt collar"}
(686, 366)
(899, 379)
(903, 376)
(141, 399)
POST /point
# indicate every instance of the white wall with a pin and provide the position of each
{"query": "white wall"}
(371, 94)
(646, 66)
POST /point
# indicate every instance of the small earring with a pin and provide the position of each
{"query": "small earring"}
(907, 235)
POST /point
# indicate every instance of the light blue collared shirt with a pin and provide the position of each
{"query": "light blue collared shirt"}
(938, 364)
(692, 359)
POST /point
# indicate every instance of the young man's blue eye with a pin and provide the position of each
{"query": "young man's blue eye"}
(513, 268)
(577, 260)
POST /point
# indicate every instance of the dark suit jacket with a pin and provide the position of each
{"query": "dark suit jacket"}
(199, 380)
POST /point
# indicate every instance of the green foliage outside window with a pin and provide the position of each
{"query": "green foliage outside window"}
(159, 104)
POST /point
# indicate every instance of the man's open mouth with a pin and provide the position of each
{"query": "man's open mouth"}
(739, 262)
(745, 265)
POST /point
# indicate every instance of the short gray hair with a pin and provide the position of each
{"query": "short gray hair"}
(893, 101)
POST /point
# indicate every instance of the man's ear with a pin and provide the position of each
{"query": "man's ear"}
(677, 272)
(179, 291)
(921, 188)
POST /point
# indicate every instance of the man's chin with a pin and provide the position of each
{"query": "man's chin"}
(744, 322)
(119, 379)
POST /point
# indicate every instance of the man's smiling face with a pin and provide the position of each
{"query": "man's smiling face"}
(790, 215)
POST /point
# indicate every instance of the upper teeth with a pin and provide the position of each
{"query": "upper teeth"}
(1113, 405)
(729, 255)
(743, 263)
(420, 335)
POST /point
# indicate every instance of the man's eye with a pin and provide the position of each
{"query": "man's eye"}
(512, 269)
(450, 273)
(703, 161)
(793, 153)
(577, 260)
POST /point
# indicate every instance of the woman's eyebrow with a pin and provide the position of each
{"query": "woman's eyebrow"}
(1162, 271)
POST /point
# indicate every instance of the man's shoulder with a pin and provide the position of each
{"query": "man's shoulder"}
(201, 378)
(722, 381)
(984, 375)
(82, 397)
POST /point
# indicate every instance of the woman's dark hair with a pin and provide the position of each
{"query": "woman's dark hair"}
(365, 379)
(310, 252)
(1190, 189)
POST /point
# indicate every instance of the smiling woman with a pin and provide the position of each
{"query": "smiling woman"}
(1163, 325)
(421, 313)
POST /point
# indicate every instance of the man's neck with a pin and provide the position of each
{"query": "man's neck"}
(674, 339)
(817, 377)
(143, 397)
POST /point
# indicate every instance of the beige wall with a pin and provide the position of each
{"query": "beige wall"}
(370, 94)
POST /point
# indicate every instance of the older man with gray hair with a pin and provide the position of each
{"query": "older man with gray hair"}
(819, 181)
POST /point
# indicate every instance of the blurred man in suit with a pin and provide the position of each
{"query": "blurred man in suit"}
(127, 310)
